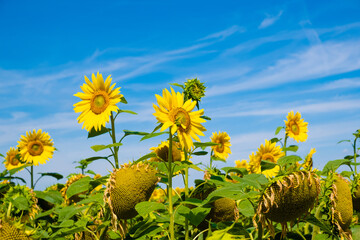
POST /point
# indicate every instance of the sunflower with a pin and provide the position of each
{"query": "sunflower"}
(12, 159)
(241, 164)
(162, 152)
(270, 152)
(308, 163)
(295, 127)
(98, 100)
(36, 147)
(222, 150)
(175, 113)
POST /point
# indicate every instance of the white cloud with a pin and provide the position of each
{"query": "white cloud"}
(225, 33)
(270, 20)
(317, 61)
(337, 84)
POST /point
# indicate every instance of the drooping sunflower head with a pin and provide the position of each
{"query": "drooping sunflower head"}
(162, 152)
(194, 89)
(28, 207)
(12, 159)
(223, 210)
(128, 186)
(295, 127)
(173, 112)
(222, 150)
(36, 147)
(11, 231)
(338, 204)
(98, 100)
(287, 198)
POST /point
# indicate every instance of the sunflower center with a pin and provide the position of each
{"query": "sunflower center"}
(294, 128)
(220, 147)
(268, 157)
(182, 119)
(36, 148)
(99, 102)
(13, 160)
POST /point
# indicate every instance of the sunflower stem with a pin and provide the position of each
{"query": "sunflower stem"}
(116, 149)
(285, 141)
(354, 145)
(186, 195)
(212, 152)
(171, 210)
(32, 176)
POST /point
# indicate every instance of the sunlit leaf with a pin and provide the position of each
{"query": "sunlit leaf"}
(288, 160)
(278, 129)
(94, 133)
(126, 111)
(334, 165)
(97, 148)
(151, 135)
(144, 208)
(52, 174)
(81, 185)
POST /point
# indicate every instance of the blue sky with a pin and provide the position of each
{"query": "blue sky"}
(259, 60)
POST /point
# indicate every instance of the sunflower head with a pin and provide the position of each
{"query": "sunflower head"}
(128, 186)
(12, 159)
(36, 147)
(194, 89)
(223, 210)
(287, 198)
(162, 152)
(98, 100)
(222, 150)
(29, 207)
(158, 195)
(178, 114)
(295, 127)
(10, 231)
(338, 204)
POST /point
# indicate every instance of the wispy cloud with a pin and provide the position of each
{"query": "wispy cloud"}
(225, 33)
(270, 20)
(337, 84)
(317, 61)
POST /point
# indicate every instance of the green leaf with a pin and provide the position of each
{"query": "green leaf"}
(11, 177)
(97, 148)
(266, 165)
(204, 144)
(94, 133)
(197, 215)
(278, 129)
(144, 208)
(324, 237)
(80, 186)
(246, 208)
(288, 160)
(355, 232)
(65, 224)
(127, 111)
(151, 135)
(254, 180)
(123, 100)
(128, 132)
(2, 155)
(147, 156)
(21, 203)
(346, 174)
(206, 117)
(313, 220)
(50, 196)
(291, 148)
(343, 141)
(52, 174)
(334, 165)
(275, 140)
(200, 153)
(69, 211)
(217, 159)
(178, 85)
(15, 170)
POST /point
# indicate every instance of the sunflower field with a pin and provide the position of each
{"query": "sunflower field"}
(275, 194)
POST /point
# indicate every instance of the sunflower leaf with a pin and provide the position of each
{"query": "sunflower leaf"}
(97, 148)
(151, 135)
(278, 129)
(343, 141)
(335, 164)
(126, 111)
(20, 203)
(94, 133)
(128, 132)
(178, 85)
(147, 156)
(205, 117)
(200, 153)
(291, 148)
(204, 144)
(11, 177)
(81, 185)
(52, 174)
(288, 160)
(15, 170)
(2, 155)
(123, 100)
(246, 208)
(217, 159)
(144, 208)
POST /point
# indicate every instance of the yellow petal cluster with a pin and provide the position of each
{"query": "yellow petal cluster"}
(178, 115)
(222, 150)
(98, 100)
(36, 147)
(295, 127)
